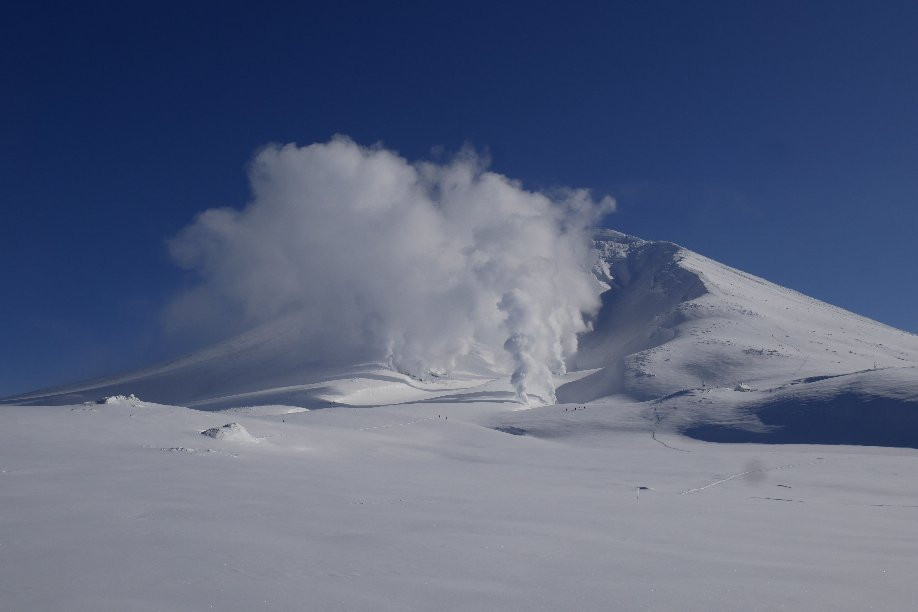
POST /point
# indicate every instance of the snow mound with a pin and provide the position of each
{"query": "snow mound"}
(266, 410)
(234, 432)
(871, 408)
(131, 399)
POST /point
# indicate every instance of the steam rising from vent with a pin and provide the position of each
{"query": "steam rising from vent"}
(428, 266)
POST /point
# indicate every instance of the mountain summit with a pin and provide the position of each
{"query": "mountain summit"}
(675, 320)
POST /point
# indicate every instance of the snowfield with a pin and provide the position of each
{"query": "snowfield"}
(429, 506)
(721, 443)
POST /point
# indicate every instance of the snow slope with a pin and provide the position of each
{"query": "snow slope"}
(263, 366)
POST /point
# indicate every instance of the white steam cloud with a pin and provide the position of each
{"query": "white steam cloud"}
(427, 266)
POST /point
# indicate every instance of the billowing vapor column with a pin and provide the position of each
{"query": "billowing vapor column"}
(420, 264)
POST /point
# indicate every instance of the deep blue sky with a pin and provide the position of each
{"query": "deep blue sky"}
(777, 137)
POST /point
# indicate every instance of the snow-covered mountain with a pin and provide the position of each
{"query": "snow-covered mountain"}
(728, 356)
(676, 320)
(719, 353)
(446, 495)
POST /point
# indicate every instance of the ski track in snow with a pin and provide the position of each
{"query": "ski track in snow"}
(653, 432)
(754, 471)
(653, 435)
(398, 424)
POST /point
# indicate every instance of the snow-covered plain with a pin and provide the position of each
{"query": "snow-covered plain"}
(359, 488)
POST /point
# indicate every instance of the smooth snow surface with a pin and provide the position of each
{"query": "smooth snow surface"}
(719, 446)
(428, 506)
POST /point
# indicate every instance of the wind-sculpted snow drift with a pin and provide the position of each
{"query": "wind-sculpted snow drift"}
(420, 265)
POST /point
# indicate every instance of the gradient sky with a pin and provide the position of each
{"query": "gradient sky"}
(777, 137)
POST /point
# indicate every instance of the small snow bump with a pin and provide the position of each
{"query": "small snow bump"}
(513, 431)
(114, 399)
(233, 432)
(131, 399)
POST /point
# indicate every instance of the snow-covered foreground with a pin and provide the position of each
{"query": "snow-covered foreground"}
(127, 506)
